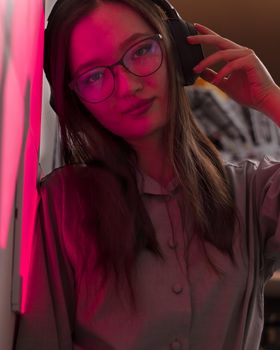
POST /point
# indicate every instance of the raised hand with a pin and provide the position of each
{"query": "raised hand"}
(243, 76)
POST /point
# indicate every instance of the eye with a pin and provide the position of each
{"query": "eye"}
(143, 50)
(92, 77)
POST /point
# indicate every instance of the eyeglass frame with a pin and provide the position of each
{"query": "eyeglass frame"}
(73, 84)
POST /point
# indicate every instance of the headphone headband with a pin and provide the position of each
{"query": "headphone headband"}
(168, 8)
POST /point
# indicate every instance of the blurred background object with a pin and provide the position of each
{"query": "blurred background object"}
(238, 132)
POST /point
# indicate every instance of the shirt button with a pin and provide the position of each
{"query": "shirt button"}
(177, 288)
(171, 243)
(176, 345)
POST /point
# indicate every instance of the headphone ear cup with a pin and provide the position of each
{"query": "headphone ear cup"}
(186, 55)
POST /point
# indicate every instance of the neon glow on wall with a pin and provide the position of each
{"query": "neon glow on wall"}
(21, 60)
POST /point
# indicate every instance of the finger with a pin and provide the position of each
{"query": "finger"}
(237, 65)
(221, 56)
(208, 75)
(210, 39)
(203, 29)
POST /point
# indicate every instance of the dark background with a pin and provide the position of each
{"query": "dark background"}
(251, 23)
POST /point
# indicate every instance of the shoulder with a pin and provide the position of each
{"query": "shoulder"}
(248, 169)
(61, 175)
(80, 184)
(76, 176)
(255, 178)
(60, 183)
(266, 162)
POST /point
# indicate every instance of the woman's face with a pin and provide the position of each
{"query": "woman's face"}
(137, 107)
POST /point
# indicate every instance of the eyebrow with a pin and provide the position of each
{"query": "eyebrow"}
(124, 45)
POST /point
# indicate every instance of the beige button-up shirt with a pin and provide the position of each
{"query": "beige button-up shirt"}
(182, 302)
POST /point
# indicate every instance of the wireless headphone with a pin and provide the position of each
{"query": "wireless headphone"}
(187, 55)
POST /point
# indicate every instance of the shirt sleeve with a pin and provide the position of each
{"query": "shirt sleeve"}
(257, 195)
(268, 187)
(47, 319)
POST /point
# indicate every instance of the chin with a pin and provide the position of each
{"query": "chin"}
(146, 135)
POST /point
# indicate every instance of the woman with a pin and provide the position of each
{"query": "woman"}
(145, 239)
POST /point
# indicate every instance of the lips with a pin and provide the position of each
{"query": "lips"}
(139, 108)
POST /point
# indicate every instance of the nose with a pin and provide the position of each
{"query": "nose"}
(126, 83)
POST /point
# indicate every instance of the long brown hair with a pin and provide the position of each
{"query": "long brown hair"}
(196, 161)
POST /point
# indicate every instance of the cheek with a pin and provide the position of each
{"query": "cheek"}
(107, 115)
(103, 113)
(159, 83)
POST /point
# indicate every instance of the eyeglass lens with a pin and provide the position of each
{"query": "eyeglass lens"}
(142, 59)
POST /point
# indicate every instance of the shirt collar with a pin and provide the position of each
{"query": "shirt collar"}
(148, 185)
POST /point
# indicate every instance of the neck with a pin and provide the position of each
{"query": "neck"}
(153, 159)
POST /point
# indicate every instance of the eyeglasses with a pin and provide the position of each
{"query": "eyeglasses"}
(141, 59)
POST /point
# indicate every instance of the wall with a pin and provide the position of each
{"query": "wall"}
(252, 23)
(21, 54)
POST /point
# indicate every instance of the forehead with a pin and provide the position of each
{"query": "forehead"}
(100, 35)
